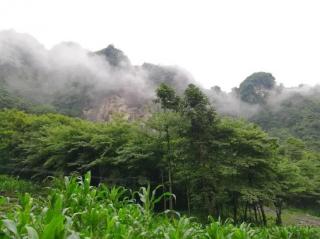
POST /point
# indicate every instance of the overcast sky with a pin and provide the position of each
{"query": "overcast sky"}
(219, 42)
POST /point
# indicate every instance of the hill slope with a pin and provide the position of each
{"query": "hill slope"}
(74, 80)
(94, 85)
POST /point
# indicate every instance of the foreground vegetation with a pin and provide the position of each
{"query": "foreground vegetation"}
(75, 209)
(215, 166)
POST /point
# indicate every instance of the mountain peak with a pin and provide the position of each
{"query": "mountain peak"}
(114, 56)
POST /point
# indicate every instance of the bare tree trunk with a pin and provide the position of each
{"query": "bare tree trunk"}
(170, 187)
(255, 213)
(235, 209)
(246, 212)
(259, 215)
(278, 205)
(169, 167)
(164, 189)
(264, 218)
(100, 174)
(188, 201)
(251, 213)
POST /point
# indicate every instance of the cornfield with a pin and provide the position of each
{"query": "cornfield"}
(74, 209)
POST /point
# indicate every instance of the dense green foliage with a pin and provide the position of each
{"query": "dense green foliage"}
(10, 186)
(254, 89)
(215, 166)
(75, 209)
(282, 112)
(298, 116)
(9, 100)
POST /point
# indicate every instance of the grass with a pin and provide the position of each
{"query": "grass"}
(12, 186)
(295, 217)
(74, 209)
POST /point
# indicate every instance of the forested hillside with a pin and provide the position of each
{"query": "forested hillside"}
(245, 154)
(297, 116)
(95, 85)
(282, 112)
(214, 165)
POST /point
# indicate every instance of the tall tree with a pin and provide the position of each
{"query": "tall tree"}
(169, 101)
(201, 121)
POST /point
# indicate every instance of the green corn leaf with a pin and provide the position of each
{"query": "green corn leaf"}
(32, 233)
(11, 226)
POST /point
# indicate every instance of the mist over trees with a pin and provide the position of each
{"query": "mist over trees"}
(92, 85)
(74, 80)
(214, 165)
(283, 112)
(198, 143)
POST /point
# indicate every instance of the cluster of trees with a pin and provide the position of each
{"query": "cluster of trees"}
(283, 112)
(254, 89)
(10, 100)
(297, 116)
(214, 165)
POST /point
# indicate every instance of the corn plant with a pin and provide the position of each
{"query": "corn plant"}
(75, 209)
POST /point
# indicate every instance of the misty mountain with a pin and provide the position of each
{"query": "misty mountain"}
(78, 82)
(297, 116)
(283, 112)
(114, 56)
(95, 85)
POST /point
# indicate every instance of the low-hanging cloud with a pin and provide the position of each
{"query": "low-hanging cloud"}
(231, 104)
(28, 68)
(31, 70)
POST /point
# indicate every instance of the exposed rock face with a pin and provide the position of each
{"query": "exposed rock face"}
(115, 106)
(80, 83)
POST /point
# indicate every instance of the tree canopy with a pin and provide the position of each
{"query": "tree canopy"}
(215, 165)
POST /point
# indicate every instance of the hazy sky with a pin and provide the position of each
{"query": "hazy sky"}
(219, 42)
